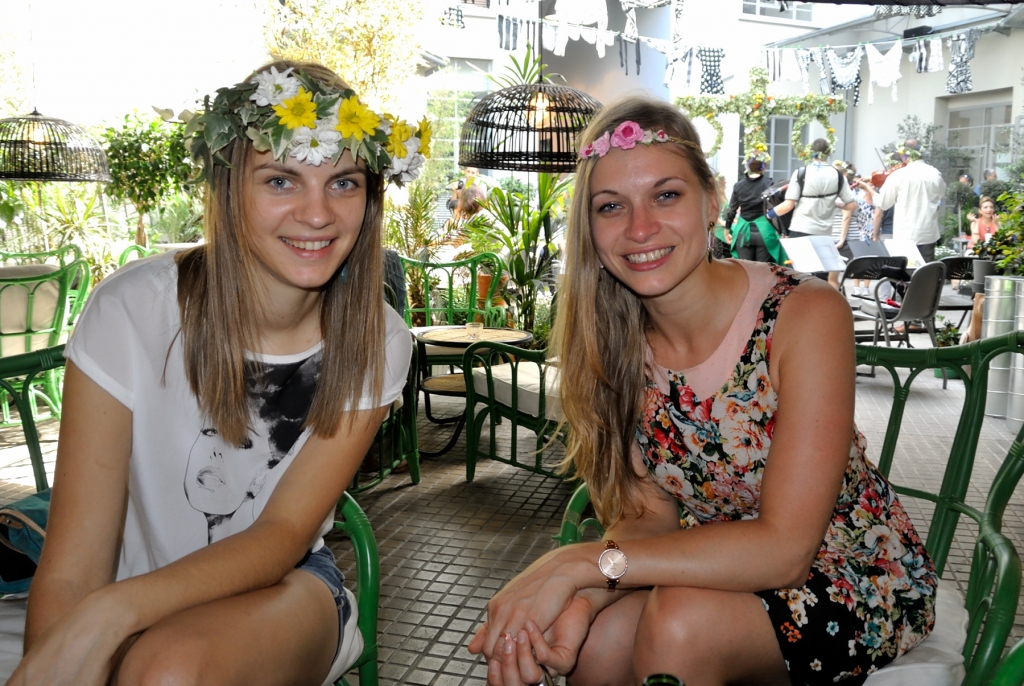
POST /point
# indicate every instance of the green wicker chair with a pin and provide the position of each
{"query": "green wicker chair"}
(135, 252)
(447, 293)
(37, 304)
(354, 523)
(396, 440)
(514, 384)
(17, 376)
(995, 581)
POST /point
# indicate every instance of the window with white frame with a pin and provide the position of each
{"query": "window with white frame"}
(987, 131)
(799, 11)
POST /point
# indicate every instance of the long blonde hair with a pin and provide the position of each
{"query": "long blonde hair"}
(599, 329)
(219, 300)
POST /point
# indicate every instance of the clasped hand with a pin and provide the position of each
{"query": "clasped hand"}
(536, 619)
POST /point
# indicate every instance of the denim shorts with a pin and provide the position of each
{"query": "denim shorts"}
(321, 564)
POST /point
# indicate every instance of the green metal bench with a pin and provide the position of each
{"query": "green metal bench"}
(995, 580)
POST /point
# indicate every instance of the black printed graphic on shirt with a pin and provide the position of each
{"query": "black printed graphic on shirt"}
(223, 480)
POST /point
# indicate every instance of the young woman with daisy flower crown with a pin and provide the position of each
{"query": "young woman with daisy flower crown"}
(710, 406)
(218, 401)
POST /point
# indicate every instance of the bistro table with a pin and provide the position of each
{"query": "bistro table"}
(454, 385)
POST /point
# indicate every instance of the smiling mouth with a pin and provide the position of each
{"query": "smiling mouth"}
(641, 257)
(307, 245)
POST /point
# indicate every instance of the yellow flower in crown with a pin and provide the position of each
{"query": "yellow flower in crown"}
(424, 134)
(297, 111)
(356, 119)
(400, 133)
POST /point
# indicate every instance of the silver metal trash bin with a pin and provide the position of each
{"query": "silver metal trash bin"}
(998, 318)
(1015, 401)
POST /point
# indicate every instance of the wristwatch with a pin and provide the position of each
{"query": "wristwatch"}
(612, 564)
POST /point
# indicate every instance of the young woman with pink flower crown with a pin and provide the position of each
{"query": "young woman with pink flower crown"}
(710, 408)
(218, 401)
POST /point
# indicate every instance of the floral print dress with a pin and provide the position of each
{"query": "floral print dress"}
(870, 594)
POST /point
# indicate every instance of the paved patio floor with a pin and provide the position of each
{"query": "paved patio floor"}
(447, 545)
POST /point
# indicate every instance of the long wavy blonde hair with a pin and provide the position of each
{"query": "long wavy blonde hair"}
(599, 330)
(219, 299)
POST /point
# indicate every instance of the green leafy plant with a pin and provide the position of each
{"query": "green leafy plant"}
(526, 235)
(995, 188)
(530, 70)
(948, 335)
(409, 229)
(178, 220)
(148, 163)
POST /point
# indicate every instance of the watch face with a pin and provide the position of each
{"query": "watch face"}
(612, 563)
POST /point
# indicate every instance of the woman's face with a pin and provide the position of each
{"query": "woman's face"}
(987, 209)
(220, 477)
(648, 215)
(302, 220)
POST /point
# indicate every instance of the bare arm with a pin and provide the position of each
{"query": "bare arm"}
(877, 232)
(90, 484)
(975, 231)
(785, 207)
(812, 370)
(844, 232)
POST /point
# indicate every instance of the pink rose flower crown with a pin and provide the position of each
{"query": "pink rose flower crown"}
(626, 136)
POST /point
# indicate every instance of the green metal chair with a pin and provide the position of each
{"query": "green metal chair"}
(514, 384)
(354, 523)
(135, 251)
(995, 580)
(37, 304)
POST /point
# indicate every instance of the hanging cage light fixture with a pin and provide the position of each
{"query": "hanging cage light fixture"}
(38, 148)
(527, 128)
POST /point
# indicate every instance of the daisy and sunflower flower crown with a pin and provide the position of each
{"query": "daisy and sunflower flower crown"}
(289, 113)
(625, 137)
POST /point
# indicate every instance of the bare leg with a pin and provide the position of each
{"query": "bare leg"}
(285, 634)
(704, 637)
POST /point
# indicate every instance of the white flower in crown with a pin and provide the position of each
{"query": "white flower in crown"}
(274, 87)
(406, 169)
(661, 136)
(648, 137)
(313, 146)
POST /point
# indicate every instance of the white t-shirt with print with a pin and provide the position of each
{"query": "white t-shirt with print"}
(186, 487)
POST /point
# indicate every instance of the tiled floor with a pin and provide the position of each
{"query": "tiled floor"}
(446, 545)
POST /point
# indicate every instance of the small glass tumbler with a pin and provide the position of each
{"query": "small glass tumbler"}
(473, 330)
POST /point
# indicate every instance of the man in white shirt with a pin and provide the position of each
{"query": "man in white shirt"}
(915, 191)
(813, 193)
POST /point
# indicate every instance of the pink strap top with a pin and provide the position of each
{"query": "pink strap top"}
(710, 375)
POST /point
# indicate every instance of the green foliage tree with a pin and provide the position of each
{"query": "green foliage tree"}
(148, 163)
(369, 43)
(446, 110)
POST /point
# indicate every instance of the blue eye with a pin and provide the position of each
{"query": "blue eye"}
(608, 207)
(668, 195)
(278, 183)
(346, 184)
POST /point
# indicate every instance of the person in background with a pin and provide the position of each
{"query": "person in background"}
(986, 224)
(859, 222)
(915, 191)
(987, 175)
(967, 180)
(813, 203)
(754, 237)
(722, 238)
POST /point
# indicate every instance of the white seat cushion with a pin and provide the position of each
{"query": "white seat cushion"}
(528, 379)
(936, 661)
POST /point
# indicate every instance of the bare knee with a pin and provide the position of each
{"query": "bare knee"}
(163, 658)
(674, 619)
(606, 656)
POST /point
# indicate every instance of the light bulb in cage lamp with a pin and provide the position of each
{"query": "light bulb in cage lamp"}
(538, 110)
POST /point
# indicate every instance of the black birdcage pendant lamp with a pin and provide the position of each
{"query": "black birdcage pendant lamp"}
(527, 128)
(38, 148)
